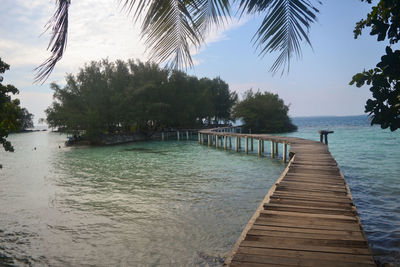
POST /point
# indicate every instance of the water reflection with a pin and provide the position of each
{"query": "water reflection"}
(159, 203)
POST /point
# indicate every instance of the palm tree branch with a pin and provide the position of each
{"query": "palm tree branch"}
(58, 24)
(285, 25)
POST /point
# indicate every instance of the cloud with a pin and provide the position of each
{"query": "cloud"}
(35, 102)
(97, 29)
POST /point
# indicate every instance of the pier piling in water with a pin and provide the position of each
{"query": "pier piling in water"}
(272, 150)
(324, 134)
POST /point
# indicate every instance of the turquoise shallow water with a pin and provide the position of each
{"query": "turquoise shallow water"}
(151, 203)
(172, 203)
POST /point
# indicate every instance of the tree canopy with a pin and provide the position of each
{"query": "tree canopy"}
(121, 97)
(26, 119)
(9, 110)
(384, 107)
(12, 117)
(263, 113)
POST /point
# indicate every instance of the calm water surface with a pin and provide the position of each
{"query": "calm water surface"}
(172, 203)
(151, 203)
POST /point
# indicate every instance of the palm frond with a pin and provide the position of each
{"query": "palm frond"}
(172, 27)
(58, 24)
(210, 12)
(285, 25)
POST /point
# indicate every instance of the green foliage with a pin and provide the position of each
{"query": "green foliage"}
(118, 97)
(26, 119)
(9, 110)
(263, 113)
(384, 107)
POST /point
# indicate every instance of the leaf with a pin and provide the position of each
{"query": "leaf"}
(58, 25)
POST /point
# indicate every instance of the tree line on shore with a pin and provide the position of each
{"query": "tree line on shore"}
(124, 97)
(13, 118)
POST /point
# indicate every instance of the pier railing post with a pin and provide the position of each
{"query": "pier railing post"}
(225, 141)
(272, 150)
(284, 152)
(322, 134)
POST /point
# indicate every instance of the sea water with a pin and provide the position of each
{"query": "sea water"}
(149, 203)
(172, 203)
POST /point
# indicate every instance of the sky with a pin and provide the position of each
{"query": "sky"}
(316, 85)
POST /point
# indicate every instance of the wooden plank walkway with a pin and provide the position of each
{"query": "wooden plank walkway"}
(308, 217)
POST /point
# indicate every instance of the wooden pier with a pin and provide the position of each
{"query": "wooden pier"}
(308, 217)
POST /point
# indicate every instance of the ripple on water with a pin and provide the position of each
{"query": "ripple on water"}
(158, 203)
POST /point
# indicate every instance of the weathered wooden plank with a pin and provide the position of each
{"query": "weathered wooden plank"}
(304, 194)
(324, 236)
(356, 235)
(252, 264)
(285, 195)
(306, 209)
(310, 203)
(314, 175)
(309, 215)
(310, 189)
(285, 222)
(248, 258)
(337, 182)
(366, 259)
(317, 247)
(314, 184)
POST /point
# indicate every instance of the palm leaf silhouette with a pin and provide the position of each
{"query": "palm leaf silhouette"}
(172, 28)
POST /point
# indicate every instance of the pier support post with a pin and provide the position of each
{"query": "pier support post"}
(284, 158)
(272, 150)
(324, 133)
(177, 134)
(246, 145)
(259, 147)
(209, 140)
(162, 136)
(251, 144)
(237, 144)
(187, 135)
(230, 142)
(216, 141)
(225, 141)
(276, 149)
(199, 135)
(262, 146)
